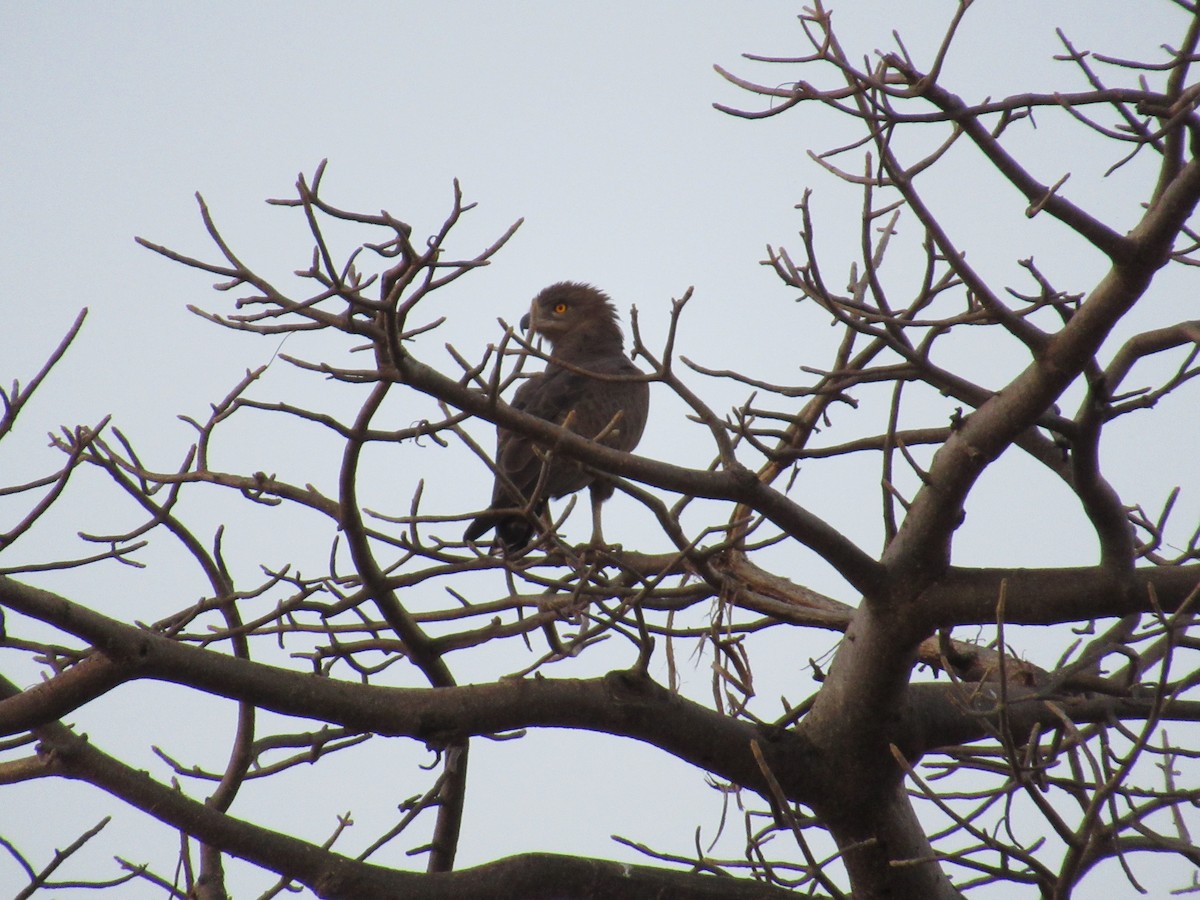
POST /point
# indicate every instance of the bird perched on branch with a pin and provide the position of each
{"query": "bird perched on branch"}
(590, 387)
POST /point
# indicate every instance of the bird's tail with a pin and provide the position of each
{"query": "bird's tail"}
(514, 532)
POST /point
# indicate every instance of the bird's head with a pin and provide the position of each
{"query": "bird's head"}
(574, 314)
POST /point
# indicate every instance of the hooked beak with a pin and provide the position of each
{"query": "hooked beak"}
(525, 322)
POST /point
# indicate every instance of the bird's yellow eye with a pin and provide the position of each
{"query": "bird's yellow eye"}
(560, 308)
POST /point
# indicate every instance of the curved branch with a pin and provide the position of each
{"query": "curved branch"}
(622, 703)
(331, 875)
(736, 484)
(923, 541)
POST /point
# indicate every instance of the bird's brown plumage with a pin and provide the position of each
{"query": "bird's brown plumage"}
(581, 324)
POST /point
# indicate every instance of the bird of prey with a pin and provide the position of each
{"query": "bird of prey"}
(590, 387)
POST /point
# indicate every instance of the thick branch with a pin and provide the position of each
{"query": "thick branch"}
(620, 703)
(923, 542)
(1050, 596)
(332, 875)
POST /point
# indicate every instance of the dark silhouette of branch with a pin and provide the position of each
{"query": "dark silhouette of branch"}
(915, 685)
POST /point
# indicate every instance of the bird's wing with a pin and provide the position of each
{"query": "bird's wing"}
(550, 396)
(598, 403)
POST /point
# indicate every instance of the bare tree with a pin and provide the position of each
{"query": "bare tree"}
(926, 762)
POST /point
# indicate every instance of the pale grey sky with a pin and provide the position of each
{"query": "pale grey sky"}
(592, 121)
